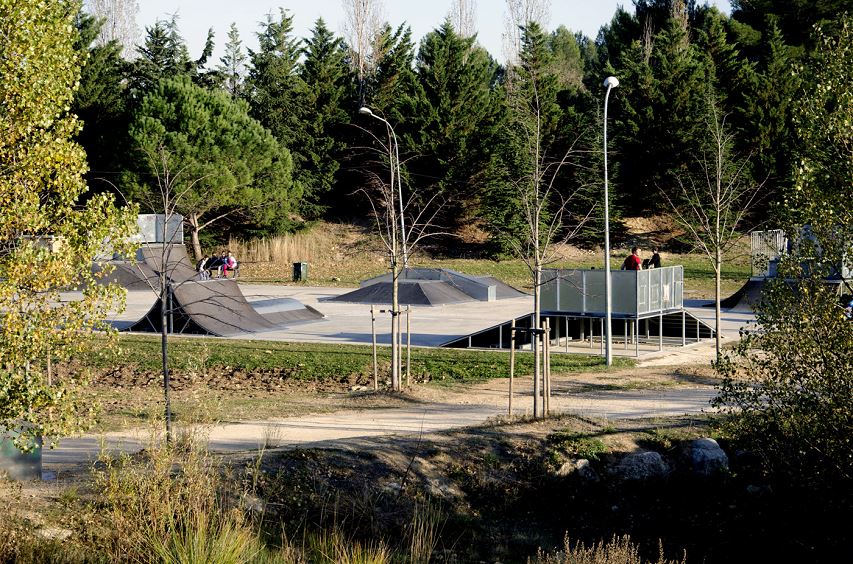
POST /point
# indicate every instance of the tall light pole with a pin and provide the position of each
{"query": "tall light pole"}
(365, 111)
(610, 82)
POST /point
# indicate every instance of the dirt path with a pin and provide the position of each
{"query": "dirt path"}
(626, 395)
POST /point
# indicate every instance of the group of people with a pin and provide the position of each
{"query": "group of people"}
(634, 262)
(222, 265)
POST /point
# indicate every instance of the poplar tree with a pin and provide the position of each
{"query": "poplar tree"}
(49, 240)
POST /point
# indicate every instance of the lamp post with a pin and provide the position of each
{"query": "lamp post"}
(610, 82)
(365, 111)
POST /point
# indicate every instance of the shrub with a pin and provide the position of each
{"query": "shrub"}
(788, 387)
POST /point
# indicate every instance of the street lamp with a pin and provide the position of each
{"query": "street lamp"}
(365, 111)
(609, 82)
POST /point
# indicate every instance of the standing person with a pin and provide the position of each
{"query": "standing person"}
(655, 260)
(201, 267)
(633, 261)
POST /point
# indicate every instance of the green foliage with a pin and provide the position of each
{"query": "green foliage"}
(788, 387)
(324, 76)
(100, 103)
(232, 64)
(823, 122)
(213, 158)
(577, 445)
(459, 122)
(49, 240)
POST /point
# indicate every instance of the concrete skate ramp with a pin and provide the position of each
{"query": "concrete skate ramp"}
(218, 307)
(144, 273)
(744, 299)
(430, 286)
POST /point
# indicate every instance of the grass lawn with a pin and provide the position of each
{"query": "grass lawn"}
(218, 379)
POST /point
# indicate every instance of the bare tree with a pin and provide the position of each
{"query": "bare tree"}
(518, 14)
(403, 222)
(549, 211)
(712, 204)
(361, 29)
(119, 23)
(463, 16)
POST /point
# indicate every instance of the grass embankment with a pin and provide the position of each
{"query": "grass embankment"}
(217, 379)
(344, 255)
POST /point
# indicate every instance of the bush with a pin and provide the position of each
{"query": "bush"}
(788, 386)
(620, 550)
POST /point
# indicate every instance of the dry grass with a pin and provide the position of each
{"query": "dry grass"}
(620, 550)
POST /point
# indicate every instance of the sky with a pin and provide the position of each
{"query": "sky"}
(195, 17)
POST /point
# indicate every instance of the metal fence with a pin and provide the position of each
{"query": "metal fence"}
(635, 293)
(766, 249)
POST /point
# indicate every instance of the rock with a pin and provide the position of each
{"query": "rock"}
(580, 468)
(706, 457)
(359, 388)
(641, 466)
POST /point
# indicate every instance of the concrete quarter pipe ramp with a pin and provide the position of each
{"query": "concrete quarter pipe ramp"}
(209, 307)
(218, 307)
(746, 298)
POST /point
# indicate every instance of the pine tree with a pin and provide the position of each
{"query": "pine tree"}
(163, 55)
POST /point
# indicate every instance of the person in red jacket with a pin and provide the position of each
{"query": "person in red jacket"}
(633, 261)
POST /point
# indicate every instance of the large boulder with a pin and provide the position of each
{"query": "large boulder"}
(706, 457)
(645, 465)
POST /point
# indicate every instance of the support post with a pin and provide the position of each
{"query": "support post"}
(511, 364)
(408, 345)
(602, 337)
(660, 332)
(546, 359)
(626, 334)
(373, 334)
(567, 333)
(637, 338)
(697, 331)
(683, 328)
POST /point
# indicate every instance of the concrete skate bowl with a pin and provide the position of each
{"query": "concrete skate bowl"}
(218, 308)
(430, 287)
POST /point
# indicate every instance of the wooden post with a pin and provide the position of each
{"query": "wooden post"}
(373, 332)
(408, 344)
(546, 372)
(511, 363)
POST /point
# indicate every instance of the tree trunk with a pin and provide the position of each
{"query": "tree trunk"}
(164, 347)
(534, 340)
(193, 221)
(395, 303)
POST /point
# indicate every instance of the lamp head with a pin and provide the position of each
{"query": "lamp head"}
(611, 82)
(365, 111)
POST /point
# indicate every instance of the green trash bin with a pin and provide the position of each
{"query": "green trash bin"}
(300, 271)
(16, 464)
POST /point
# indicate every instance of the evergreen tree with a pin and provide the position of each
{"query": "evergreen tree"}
(458, 132)
(276, 91)
(162, 55)
(100, 103)
(233, 64)
(325, 76)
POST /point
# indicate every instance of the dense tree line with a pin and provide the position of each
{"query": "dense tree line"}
(451, 105)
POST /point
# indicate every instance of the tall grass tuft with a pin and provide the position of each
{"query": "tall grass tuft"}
(424, 532)
(169, 504)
